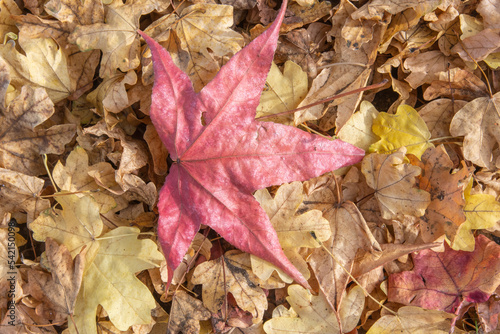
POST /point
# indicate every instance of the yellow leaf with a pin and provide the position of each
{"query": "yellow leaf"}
(45, 65)
(293, 230)
(74, 177)
(394, 185)
(283, 92)
(8, 8)
(415, 320)
(110, 281)
(313, 314)
(358, 129)
(482, 211)
(76, 225)
(405, 128)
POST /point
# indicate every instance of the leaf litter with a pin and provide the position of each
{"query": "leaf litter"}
(101, 171)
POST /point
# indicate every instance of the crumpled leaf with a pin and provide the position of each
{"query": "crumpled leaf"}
(440, 281)
(57, 291)
(8, 8)
(415, 320)
(405, 128)
(444, 215)
(231, 273)
(477, 121)
(394, 185)
(293, 229)
(110, 281)
(74, 177)
(219, 164)
(21, 145)
(186, 314)
(20, 193)
(283, 92)
(312, 314)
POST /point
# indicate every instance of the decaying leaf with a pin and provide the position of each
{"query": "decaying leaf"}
(186, 314)
(394, 184)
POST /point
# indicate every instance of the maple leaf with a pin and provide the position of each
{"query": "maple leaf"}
(222, 154)
(440, 281)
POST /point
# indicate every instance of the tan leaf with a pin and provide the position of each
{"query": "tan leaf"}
(7, 24)
(158, 150)
(437, 114)
(21, 146)
(74, 177)
(358, 129)
(58, 291)
(464, 86)
(231, 273)
(478, 121)
(394, 185)
(21, 192)
(186, 314)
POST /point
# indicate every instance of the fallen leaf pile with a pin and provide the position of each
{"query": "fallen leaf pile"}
(155, 176)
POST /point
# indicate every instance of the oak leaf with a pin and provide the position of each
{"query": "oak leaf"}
(405, 128)
(478, 121)
(441, 281)
(394, 184)
(110, 281)
(21, 145)
(445, 213)
(293, 229)
(222, 154)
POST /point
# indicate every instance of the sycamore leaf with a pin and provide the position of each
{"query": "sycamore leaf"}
(394, 185)
(405, 128)
(283, 92)
(222, 154)
(231, 273)
(482, 211)
(445, 213)
(20, 193)
(293, 230)
(414, 320)
(74, 177)
(186, 314)
(313, 314)
(21, 145)
(76, 225)
(117, 38)
(440, 281)
(478, 121)
(110, 281)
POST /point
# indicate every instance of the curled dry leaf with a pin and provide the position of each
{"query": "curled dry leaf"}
(394, 185)
(186, 314)
(21, 145)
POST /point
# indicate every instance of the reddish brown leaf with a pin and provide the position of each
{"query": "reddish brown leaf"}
(441, 281)
(221, 154)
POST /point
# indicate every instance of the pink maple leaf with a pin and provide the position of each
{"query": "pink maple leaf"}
(222, 154)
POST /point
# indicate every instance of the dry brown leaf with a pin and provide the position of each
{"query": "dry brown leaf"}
(437, 114)
(7, 24)
(427, 66)
(186, 314)
(231, 273)
(445, 212)
(464, 86)
(478, 121)
(158, 150)
(394, 185)
(20, 193)
(21, 145)
(58, 291)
